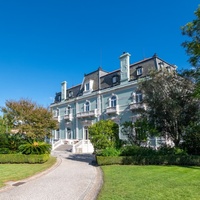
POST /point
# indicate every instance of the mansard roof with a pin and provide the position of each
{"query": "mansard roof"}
(102, 79)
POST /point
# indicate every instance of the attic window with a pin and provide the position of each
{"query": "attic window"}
(88, 87)
(168, 68)
(114, 79)
(139, 71)
(70, 94)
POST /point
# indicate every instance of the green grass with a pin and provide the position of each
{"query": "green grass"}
(130, 182)
(14, 172)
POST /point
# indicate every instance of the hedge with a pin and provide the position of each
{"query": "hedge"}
(184, 160)
(21, 158)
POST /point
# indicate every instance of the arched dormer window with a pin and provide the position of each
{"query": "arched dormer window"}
(87, 106)
(113, 101)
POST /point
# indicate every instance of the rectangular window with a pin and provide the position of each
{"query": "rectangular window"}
(87, 86)
(114, 79)
(113, 101)
(70, 94)
(87, 107)
(138, 97)
(139, 71)
(56, 113)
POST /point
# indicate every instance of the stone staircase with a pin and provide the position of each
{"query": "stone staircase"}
(64, 147)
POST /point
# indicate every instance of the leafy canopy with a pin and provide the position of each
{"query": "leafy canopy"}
(192, 30)
(26, 117)
(104, 134)
(171, 106)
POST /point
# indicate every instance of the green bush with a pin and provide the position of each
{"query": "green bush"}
(4, 150)
(136, 150)
(183, 160)
(109, 160)
(165, 150)
(21, 158)
(109, 151)
(129, 150)
(35, 148)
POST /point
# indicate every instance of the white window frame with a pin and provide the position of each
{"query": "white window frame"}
(139, 71)
(70, 94)
(113, 101)
(68, 110)
(88, 86)
(56, 113)
(114, 79)
(87, 106)
(138, 97)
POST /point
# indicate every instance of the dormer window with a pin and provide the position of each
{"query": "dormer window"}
(161, 64)
(70, 94)
(88, 87)
(168, 68)
(139, 71)
(114, 79)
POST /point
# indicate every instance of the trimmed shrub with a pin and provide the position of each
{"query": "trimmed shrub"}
(21, 158)
(109, 160)
(183, 160)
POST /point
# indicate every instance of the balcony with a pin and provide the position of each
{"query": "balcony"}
(91, 113)
(57, 118)
(68, 117)
(112, 110)
(137, 106)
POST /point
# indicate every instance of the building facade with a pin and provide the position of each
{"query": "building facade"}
(102, 95)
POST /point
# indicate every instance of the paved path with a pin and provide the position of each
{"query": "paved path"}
(74, 177)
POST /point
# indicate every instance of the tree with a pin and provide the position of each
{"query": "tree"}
(191, 139)
(139, 131)
(192, 30)
(3, 125)
(104, 134)
(26, 117)
(171, 106)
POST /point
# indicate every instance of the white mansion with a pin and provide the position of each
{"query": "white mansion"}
(102, 95)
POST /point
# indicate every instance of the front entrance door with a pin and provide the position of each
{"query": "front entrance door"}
(86, 133)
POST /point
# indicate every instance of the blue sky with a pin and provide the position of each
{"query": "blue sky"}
(44, 42)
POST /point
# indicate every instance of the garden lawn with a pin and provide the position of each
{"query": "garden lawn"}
(131, 182)
(14, 172)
